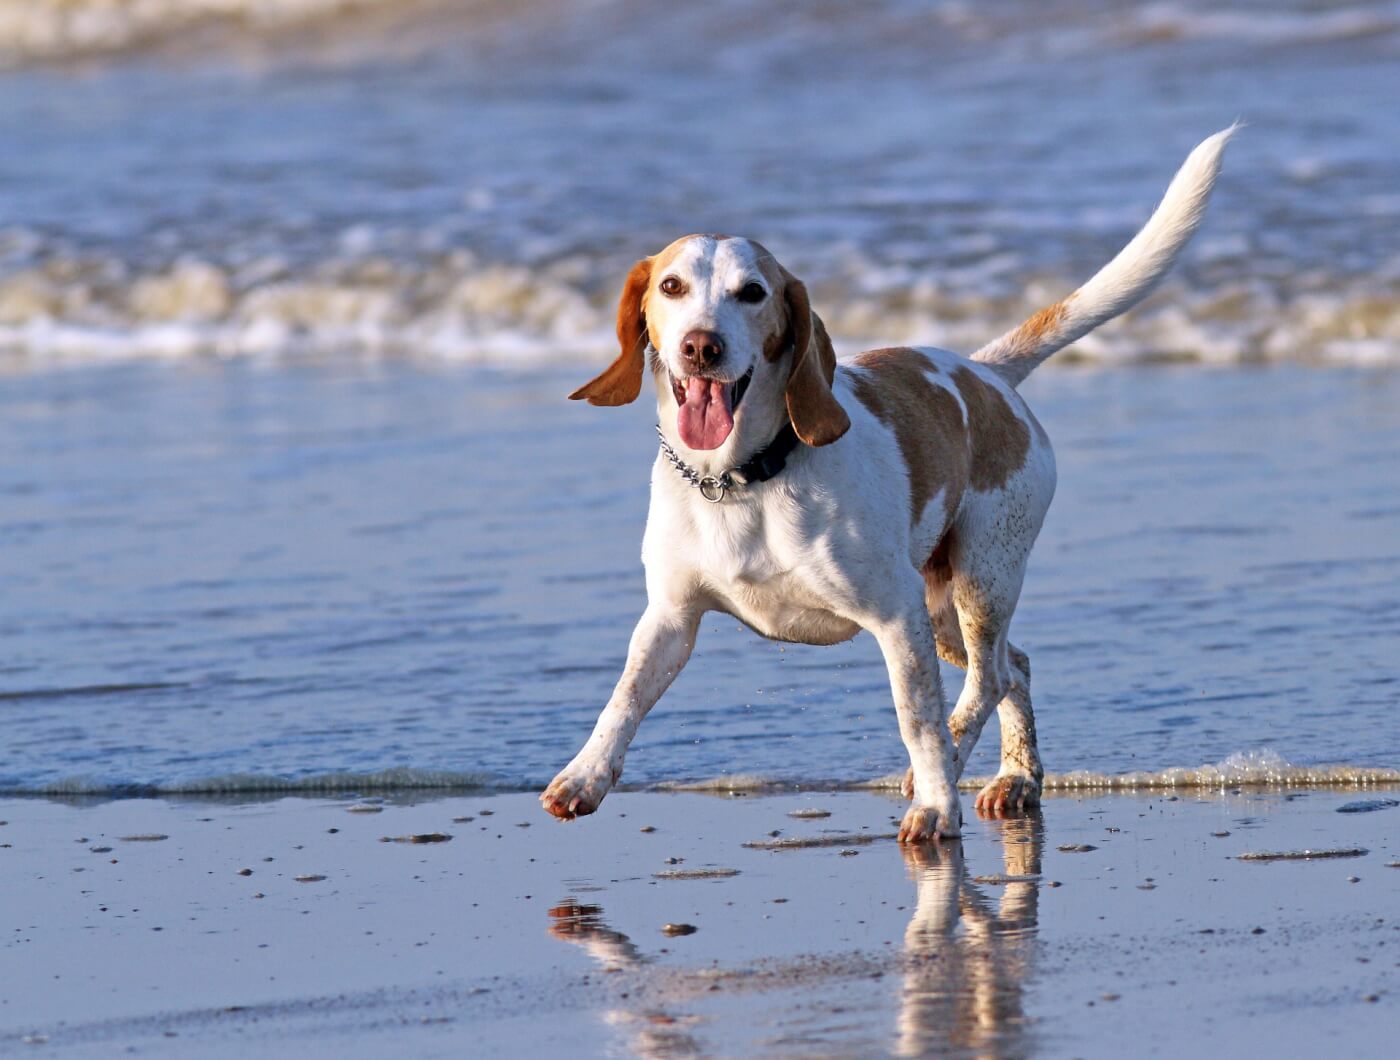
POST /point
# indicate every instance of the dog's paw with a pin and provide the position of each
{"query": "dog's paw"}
(906, 786)
(577, 791)
(1008, 793)
(924, 823)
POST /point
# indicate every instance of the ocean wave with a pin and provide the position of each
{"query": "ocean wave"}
(1245, 769)
(48, 30)
(386, 781)
(459, 306)
(1164, 22)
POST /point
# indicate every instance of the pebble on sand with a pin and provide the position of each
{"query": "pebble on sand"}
(809, 815)
(1368, 805)
(422, 837)
(310, 879)
(154, 837)
(695, 874)
(679, 929)
(1076, 848)
(1303, 855)
(799, 843)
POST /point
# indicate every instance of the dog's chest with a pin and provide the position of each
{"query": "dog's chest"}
(784, 608)
(764, 572)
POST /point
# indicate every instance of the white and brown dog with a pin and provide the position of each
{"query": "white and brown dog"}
(898, 493)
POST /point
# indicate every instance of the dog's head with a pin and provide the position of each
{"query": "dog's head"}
(736, 341)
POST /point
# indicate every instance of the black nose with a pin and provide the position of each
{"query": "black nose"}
(702, 349)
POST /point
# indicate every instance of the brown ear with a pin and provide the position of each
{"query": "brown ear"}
(621, 381)
(816, 415)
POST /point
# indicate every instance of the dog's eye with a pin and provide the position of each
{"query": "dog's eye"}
(751, 292)
(672, 287)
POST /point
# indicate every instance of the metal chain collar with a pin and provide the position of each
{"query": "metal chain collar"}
(711, 487)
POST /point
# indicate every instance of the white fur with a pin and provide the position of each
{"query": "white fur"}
(829, 548)
(1131, 275)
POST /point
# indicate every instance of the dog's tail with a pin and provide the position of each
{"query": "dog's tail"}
(1125, 280)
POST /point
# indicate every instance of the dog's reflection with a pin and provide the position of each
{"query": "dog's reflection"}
(966, 960)
(654, 1031)
(967, 957)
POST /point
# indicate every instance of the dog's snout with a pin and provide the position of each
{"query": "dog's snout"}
(702, 349)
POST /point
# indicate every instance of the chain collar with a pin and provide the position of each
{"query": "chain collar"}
(711, 487)
(762, 466)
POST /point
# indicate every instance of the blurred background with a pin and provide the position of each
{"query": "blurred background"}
(291, 292)
(467, 179)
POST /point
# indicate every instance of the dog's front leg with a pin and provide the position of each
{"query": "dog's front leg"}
(660, 646)
(906, 639)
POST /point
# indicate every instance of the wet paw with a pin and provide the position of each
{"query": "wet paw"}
(576, 792)
(924, 823)
(1008, 793)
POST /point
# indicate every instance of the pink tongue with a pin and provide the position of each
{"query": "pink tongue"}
(705, 419)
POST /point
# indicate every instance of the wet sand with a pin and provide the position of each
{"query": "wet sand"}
(1109, 924)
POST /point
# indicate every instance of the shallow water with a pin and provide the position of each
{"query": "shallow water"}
(215, 572)
(471, 180)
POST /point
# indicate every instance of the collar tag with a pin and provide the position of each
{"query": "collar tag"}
(714, 488)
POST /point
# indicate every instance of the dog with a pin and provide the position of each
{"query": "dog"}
(899, 493)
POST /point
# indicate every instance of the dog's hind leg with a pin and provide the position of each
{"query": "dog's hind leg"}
(1017, 783)
(998, 678)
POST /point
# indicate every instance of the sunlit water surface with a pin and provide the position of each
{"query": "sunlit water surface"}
(281, 575)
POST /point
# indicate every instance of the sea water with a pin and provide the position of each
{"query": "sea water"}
(349, 576)
(470, 180)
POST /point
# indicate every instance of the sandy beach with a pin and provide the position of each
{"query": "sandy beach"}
(1107, 925)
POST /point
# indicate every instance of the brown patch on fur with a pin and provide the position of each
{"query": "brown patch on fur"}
(926, 419)
(1030, 334)
(1000, 440)
(776, 344)
(939, 565)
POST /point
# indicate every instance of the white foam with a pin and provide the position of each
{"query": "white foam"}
(1243, 769)
(387, 780)
(65, 305)
(65, 29)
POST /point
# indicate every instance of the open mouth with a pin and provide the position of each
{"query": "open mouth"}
(706, 408)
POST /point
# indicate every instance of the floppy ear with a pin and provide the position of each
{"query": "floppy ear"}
(816, 415)
(621, 381)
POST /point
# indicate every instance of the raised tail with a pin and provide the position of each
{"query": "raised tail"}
(1125, 280)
